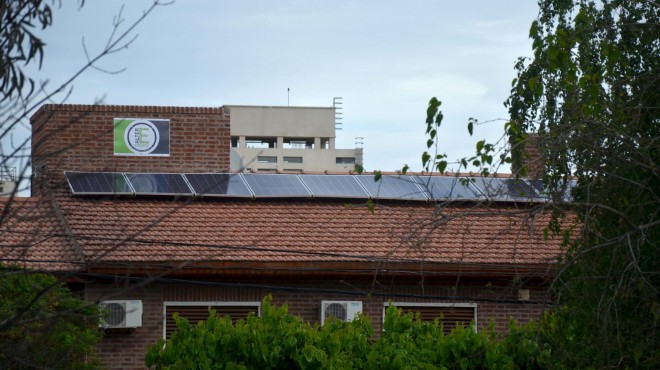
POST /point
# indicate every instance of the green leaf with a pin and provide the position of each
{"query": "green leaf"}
(377, 176)
(425, 158)
(370, 205)
(480, 145)
(470, 126)
(441, 166)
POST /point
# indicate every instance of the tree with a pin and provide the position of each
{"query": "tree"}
(43, 324)
(592, 92)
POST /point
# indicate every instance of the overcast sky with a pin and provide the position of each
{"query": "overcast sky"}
(386, 59)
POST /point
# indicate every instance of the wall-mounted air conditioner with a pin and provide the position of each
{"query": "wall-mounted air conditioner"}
(121, 314)
(342, 310)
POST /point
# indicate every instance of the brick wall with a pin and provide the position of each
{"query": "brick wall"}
(126, 349)
(80, 138)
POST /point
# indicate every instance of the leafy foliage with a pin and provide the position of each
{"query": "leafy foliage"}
(43, 325)
(592, 92)
(277, 340)
(20, 45)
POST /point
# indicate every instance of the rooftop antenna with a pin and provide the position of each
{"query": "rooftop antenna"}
(336, 103)
(288, 93)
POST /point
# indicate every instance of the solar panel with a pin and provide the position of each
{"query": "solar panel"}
(97, 183)
(540, 187)
(392, 187)
(443, 187)
(506, 189)
(159, 183)
(276, 185)
(338, 186)
(218, 184)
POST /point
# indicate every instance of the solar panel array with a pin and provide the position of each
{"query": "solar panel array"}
(250, 185)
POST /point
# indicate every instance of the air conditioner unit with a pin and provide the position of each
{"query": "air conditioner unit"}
(121, 314)
(342, 310)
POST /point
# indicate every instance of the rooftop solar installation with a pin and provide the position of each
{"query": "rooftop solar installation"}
(276, 186)
(218, 184)
(449, 188)
(251, 185)
(159, 183)
(97, 183)
(543, 190)
(335, 186)
(392, 187)
(509, 189)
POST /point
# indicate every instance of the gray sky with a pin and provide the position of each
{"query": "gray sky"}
(386, 59)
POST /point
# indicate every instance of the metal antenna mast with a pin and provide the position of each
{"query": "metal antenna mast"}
(336, 103)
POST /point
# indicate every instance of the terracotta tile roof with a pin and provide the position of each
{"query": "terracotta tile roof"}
(31, 236)
(271, 233)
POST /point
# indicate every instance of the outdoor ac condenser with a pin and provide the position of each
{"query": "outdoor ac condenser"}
(121, 314)
(342, 310)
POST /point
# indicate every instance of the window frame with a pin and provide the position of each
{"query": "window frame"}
(405, 305)
(167, 304)
(342, 160)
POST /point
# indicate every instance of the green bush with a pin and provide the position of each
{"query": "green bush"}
(277, 340)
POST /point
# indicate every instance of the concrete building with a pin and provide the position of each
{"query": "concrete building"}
(287, 139)
(7, 181)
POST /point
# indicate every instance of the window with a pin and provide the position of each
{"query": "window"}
(452, 313)
(293, 160)
(267, 159)
(261, 142)
(298, 143)
(345, 160)
(199, 311)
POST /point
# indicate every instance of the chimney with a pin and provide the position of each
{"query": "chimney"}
(527, 156)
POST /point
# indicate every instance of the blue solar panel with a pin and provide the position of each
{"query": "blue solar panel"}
(392, 187)
(506, 189)
(159, 183)
(444, 187)
(540, 187)
(334, 186)
(218, 184)
(97, 183)
(280, 185)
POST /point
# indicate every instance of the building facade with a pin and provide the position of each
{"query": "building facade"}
(287, 139)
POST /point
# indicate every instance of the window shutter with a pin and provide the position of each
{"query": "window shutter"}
(451, 316)
(195, 314)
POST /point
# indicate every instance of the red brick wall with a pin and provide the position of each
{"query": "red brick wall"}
(127, 349)
(80, 138)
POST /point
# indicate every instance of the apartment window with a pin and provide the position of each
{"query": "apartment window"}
(195, 312)
(298, 143)
(234, 142)
(293, 159)
(267, 159)
(452, 314)
(261, 142)
(345, 160)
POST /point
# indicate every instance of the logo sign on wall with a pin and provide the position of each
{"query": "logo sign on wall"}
(142, 136)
